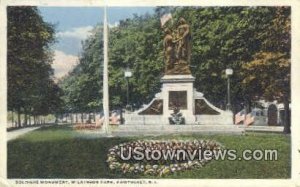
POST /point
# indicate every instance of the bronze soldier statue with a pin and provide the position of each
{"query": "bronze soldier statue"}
(177, 49)
(169, 50)
(183, 50)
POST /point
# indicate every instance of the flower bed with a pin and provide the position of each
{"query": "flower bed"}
(160, 157)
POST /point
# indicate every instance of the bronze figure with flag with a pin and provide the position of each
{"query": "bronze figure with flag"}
(177, 47)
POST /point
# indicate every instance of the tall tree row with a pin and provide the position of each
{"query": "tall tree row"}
(31, 89)
(253, 41)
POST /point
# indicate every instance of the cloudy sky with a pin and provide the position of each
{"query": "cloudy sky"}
(73, 24)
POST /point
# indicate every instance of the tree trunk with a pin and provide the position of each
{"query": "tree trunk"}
(248, 106)
(19, 118)
(76, 117)
(234, 111)
(56, 119)
(81, 117)
(71, 118)
(25, 118)
(94, 117)
(286, 120)
(12, 118)
(89, 118)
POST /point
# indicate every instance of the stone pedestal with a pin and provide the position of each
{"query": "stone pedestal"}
(177, 91)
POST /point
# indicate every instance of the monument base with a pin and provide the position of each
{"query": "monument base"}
(178, 92)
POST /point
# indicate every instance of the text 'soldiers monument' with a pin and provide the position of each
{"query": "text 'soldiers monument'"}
(177, 91)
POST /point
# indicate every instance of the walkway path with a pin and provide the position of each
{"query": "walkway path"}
(254, 128)
(16, 133)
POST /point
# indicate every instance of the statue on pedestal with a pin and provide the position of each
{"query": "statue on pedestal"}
(169, 50)
(177, 49)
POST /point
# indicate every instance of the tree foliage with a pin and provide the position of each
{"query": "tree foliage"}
(29, 71)
(267, 74)
(83, 85)
(136, 44)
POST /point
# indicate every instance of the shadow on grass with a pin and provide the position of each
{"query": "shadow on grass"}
(10, 129)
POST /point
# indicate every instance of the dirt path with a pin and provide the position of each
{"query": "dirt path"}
(16, 133)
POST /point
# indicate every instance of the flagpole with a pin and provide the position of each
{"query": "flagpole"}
(105, 75)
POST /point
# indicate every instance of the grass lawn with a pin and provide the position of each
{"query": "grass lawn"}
(60, 152)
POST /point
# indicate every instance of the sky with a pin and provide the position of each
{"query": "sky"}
(73, 25)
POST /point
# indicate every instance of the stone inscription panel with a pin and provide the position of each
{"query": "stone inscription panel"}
(178, 99)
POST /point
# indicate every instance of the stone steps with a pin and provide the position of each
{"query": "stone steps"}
(178, 127)
(129, 130)
(158, 130)
(275, 129)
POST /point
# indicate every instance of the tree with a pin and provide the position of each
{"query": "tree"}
(267, 74)
(135, 44)
(28, 60)
(83, 86)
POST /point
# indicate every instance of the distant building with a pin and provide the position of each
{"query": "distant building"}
(269, 114)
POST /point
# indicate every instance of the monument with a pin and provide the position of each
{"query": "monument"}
(178, 102)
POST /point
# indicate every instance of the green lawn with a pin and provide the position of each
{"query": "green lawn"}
(60, 152)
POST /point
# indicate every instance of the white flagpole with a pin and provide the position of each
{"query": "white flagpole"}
(105, 75)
